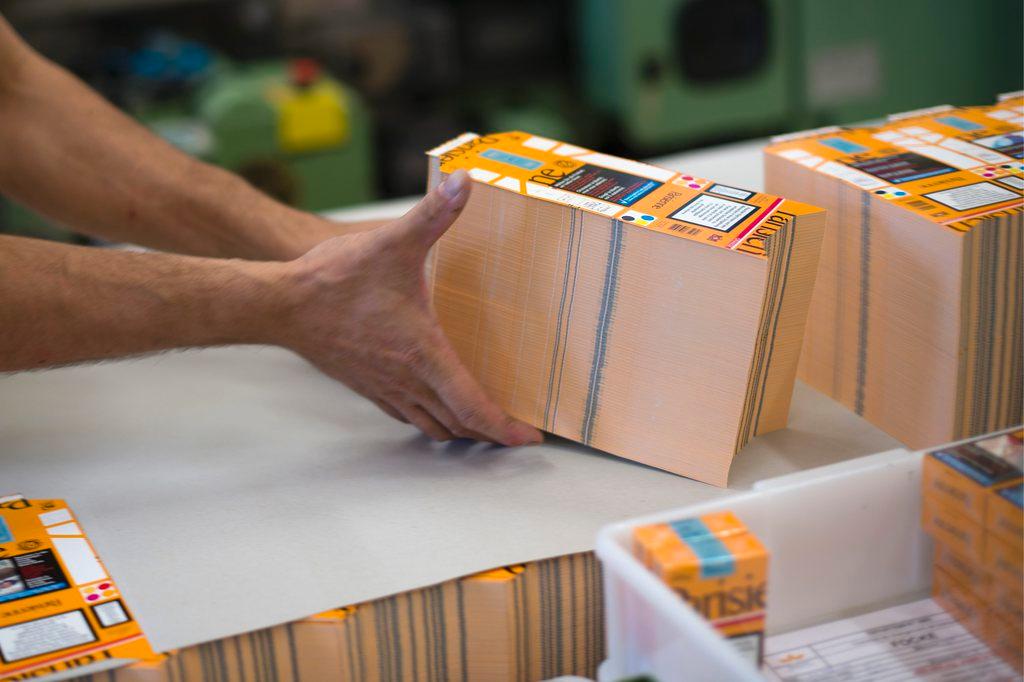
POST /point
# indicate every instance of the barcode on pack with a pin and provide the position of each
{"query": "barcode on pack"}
(685, 229)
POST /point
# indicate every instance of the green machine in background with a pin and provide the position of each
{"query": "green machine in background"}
(674, 73)
(671, 72)
(865, 59)
(292, 131)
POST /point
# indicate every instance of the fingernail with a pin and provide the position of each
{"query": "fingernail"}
(455, 184)
(524, 434)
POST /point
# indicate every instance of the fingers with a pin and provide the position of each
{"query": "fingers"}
(470, 406)
(423, 421)
(440, 427)
(429, 401)
(389, 410)
(433, 215)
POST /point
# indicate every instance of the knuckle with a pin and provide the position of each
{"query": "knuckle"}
(470, 415)
(411, 357)
(392, 386)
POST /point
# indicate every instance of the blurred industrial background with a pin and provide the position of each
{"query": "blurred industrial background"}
(326, 103)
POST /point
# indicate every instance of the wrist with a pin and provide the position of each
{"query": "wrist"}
(261, 301)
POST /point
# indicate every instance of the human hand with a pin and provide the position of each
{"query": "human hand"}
(300, 232)
(362, 315)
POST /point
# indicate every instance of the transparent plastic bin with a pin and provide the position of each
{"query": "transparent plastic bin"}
(843, 539)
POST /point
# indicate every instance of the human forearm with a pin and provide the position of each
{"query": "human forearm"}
(73, 157)
(356, 306)
(62, 304)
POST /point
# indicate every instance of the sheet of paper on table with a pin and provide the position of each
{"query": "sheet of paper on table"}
(236, 488)
(915, 641)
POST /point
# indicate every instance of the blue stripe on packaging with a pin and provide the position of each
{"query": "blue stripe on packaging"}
(716, 561)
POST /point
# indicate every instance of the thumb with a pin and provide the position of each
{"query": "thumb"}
(434, 214)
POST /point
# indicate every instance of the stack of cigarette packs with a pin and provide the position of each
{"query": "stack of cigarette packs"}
(972, 508)
(916, 319)
(649, 313)
(513, 624)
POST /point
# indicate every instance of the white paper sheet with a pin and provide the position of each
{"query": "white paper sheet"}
(915, 641)
(237, 488)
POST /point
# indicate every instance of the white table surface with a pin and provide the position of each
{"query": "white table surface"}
(235, 488)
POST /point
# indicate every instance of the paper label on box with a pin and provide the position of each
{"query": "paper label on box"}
(718, 214)
(1010, 144)
(1013, 181)
(919, 640)
(982, 153)
(972, 196)
(44, 635)
(933, 157)
(749, 646)
(534, 189)
(635, 193)
(59, 609)
(733, 192)
(851, 175)
(607, 184)
(900, 168)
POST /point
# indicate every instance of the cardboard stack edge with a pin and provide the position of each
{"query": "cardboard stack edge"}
(916, 318)
(518, 623)
(648, 313)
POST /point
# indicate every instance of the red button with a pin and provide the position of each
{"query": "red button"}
(303, 71)
(93, 597)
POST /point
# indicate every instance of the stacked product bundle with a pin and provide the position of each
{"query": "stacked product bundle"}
(916, 320)
(719, 567)
(526, 622)
(648, 313)
(973, 510)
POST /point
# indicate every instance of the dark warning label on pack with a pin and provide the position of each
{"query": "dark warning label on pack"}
(27, 575)
(608, 185)
(902, 167)
(1011, 144)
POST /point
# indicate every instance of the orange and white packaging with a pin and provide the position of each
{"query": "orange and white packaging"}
(719, 567)
(963, 569)
(965, 477)
(1004, 562)
(1004, 516)
(953, 529)
(962, 603)
(1006, 639)
(1006, 601)
(60, 610)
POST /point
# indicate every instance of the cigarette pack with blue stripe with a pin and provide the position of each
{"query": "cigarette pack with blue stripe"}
(719, 567)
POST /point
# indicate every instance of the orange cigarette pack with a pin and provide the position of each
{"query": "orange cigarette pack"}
(59, 608)
(717, 565)
(1003, 513)
(964, 477)
(953, 529)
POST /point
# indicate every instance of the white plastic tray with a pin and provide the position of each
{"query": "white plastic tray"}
(842, 538)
